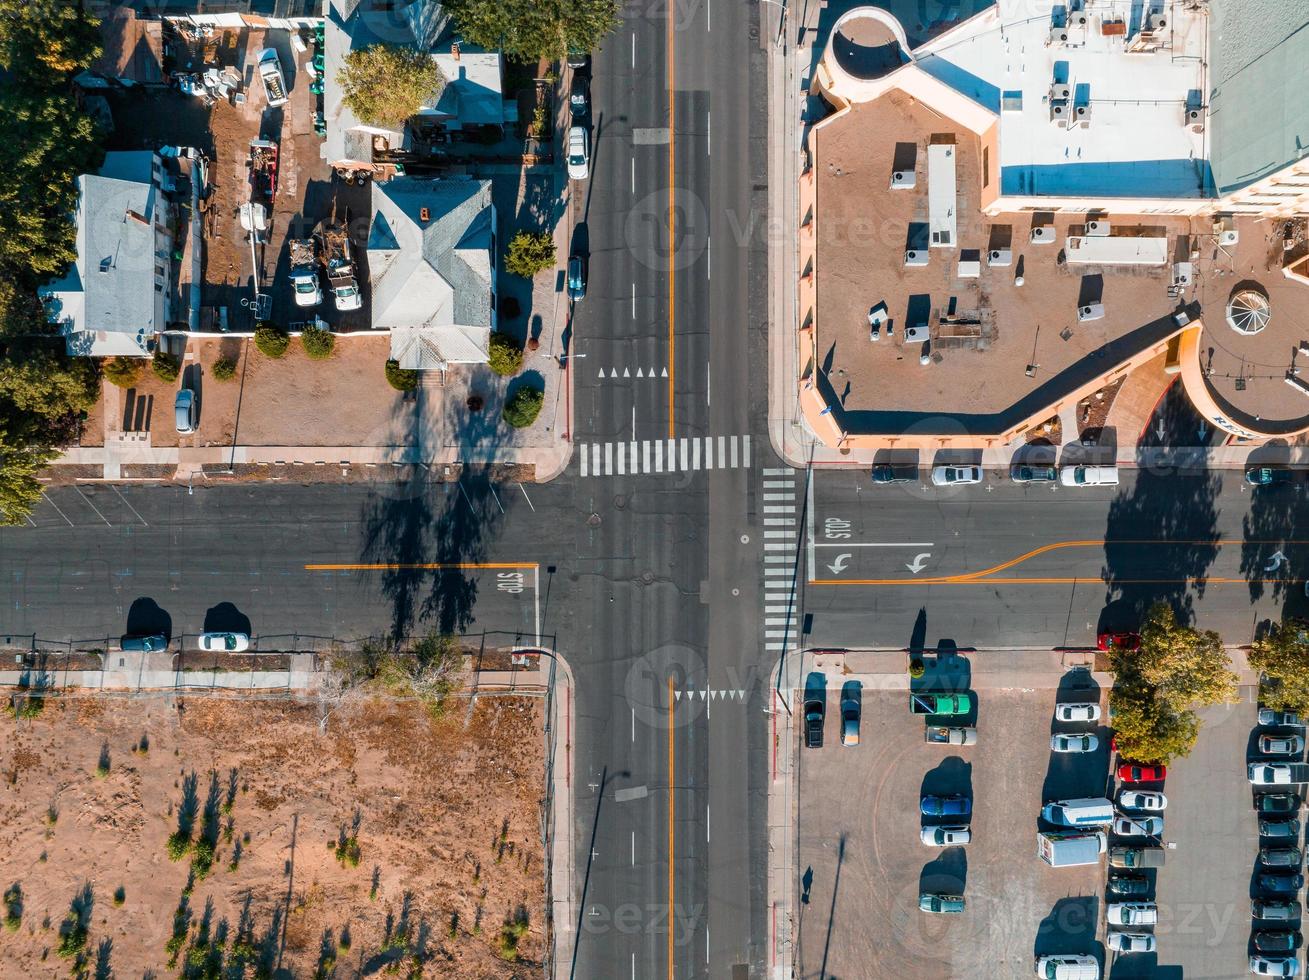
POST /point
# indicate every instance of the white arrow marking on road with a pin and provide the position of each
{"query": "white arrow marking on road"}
(639, 374)
(626, 373)
(838, 566)
(1275, 562)
(702, 695)
(1203, 430)
(677, 695)
(740, 695)
(602, 372)
(663, 373)
(1159, 429)
(919, 562)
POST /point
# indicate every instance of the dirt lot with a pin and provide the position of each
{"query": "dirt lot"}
(436, 826)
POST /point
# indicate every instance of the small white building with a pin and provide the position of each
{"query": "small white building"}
(115, 297)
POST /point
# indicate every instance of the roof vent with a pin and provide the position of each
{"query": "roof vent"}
(1043, 235)
(903, 180)
(1000, 257)
(1091, 311)
(1098, 228)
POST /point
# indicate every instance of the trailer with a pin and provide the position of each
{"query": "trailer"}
(339, 263)
(304, 272)
(263, 170)
(270, 72)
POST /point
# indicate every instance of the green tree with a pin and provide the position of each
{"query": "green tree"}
(1148, 728)
(166, 366)
(42, 42)
(1282, 658)
(224, 369)
(271, 341)
(1187, 666)
(505, 356)
(123, 371)
(401, 379)
(531, 29)
(385, 84)
(38, 379)
(530, 252)
(523, 406)
(317, 342)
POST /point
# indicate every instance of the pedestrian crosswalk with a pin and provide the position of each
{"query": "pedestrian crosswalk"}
(780, 509)
(663, 455)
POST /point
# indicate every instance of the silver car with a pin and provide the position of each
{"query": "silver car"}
(1281, 744)
(1073, 743)
(224, 642)
(956, 476)
(1131, 942)
(1135, 799)
(945, 836)
(579, 165)
(185, 411)
(1139, 826)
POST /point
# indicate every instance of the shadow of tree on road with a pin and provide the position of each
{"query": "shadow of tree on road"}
(1270, 529)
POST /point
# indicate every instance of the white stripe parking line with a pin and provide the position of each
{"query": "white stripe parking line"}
(609, 457)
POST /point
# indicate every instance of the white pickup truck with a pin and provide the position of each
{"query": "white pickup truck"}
(270, 71)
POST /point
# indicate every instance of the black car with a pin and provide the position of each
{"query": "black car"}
(579, 97)
(1279, 941)
(815, 710)
(1129, 884)
(1276, 803)
(895, 473)
(1267, 476)
(1281, 884)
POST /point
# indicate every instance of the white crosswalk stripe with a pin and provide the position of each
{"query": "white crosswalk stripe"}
(779, 508)
(672, 456)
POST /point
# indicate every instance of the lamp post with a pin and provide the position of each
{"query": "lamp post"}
(781, 22)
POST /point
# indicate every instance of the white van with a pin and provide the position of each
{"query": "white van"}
(1092, 812)
(1065, 967)
(1089, 476)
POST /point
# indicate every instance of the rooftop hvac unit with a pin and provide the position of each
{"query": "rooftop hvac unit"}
(917, 335)
(903, 180)
(1000, 257)
(1091, 311)
(915, 257)
(1099, 228)
(1228, 237)
(1059, 113)
(1156, 22)
(1044, 235)
(1082, 113)
(1058, 35)
(1182, 273)
(1194, 116)
(1078, 19)
(1060, 92)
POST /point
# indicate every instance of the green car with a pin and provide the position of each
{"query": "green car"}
(941, 904)
(940, 704)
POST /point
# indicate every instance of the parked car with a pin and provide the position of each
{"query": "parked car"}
(1280, 857)
(1132, 913)
(945, 806)
(1277, 803)
(1077, 711)
(1135, 772)
(1277, 941)
(945, 836)
(1280, 884)
(576, 278)
(1280, 829)
(1137, 857)
(1274, 773)
(895, 473)
(956, 476)
(1267, 476)
(579, 96)
(1089, 476)
(1033, 474)
(850, 713)
(1274, 966)
(579, 166)
(143, 643)
(1067, 967)
(1131, 942)
(1281, 744)
(1129, 884)
(815, 711)
(1279, 719)
(1139, 826)
(1073, 743)
(1135, 799)
(224, 642)
(184, 410)
(1274, 911)
(940, 904)
(1118, 641)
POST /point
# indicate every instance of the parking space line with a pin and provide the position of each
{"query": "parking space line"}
(143, 521)
(50, 500)
(92, 506)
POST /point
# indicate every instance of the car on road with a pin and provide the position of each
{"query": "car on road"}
(945, 806)
(1277, 941)
(1132, 913)
(956, 476)
(1277, 803)
(1135, 799)
(1274, 911)
(1281, 744)
(1273, 773)
(579, 96)
(576, 278)
(1064, 966)
(1033, 474)
(1129, 884)
(895, 473)
(1280, 857)
(850, 713)
(579, 163)
(1139, 826)
(143, 643)
(940, 904)
(1274, 966)
(1280, 884)
(1135, 772)
(1279, 719)
(224, 642)
(815, 711)
(1267, 476)
(1131, 942)
(1073, 743)
(1280, 829)
(1089, 476)
(947, 836)
(1118, 641)
(184, 411)
(1077, 711)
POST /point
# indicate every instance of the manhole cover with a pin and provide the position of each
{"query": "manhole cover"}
(647, 577)
(620, 502)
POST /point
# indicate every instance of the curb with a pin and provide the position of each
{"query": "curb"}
(559, 829)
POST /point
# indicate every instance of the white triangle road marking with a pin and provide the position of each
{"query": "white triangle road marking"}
(626, 373)
(639, 374)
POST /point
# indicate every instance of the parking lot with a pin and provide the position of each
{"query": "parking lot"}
(862, 866)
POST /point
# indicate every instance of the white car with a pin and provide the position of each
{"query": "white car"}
(1089, 476)
(1139, 826)
(1134, 799)
(1131, 942)
(1274, 966)
(956, 476)
(1270, 774)
(1077, 712)
(945, 836)
(1080, 967)
(1281, 744)
(1133, 913)
(1267, 716)
(1073, 743)
(224, 642)
(579, 166)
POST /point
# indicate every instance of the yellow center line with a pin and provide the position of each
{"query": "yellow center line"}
(672, 219)
(415, 566)
(672, 789)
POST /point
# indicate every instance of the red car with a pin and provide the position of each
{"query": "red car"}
(1135, 772)
(1118, 641)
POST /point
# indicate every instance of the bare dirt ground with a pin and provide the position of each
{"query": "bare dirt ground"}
(392, 844)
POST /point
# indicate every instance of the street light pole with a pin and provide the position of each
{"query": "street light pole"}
(781, 21)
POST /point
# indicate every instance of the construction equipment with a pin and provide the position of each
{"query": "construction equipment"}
(263, 171)
(340, 267)
(270, 71)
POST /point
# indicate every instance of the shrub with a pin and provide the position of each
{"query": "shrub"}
(530, 252)
(916, 668)
(224, 369)
(317, 342)
(178, 844)
(505, 356)
(523, 407)
(123, 371)
(166, 366)
(120, 895)
(401, 379)
(271, 341)
(13, 907)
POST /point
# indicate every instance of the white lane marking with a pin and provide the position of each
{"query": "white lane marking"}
(706, 827)
(92, 506)
(779, 471)
(633, 724)
(527, 498)
(708, 383)
(672, 455)
(722, 451)
(634, 865)
(809, 509)
(695, 454)
(633, 435)
(736, 460)
(634, 49)
(659, 455)
(708, 259)
(778, 534)
(779, 484)
(584, 458)
(595, 459)
(622, 452)
(633, 176)
(51, 502)
(708, 135)
(129, 506)
(873, 544)
(645, 457)
(682, 450)
(496, 497)
(536, 601)
(745, 451)
(633, 303)
(777, 546)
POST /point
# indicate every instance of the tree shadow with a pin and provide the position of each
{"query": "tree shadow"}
(146, 618)
(226, 618)
(104, 952)
(1269, 529)
(189, 807)
(1069, 928)
(945, 874)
